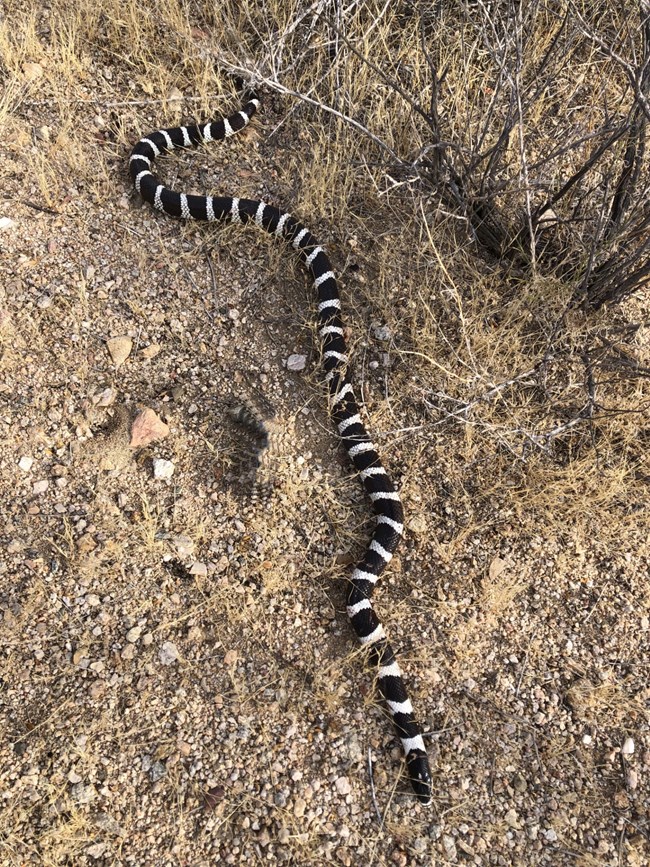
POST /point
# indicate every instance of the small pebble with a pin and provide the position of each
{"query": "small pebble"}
(119, 348)
(150, 351)
(417, 525)
(163, 469)
(83, 794)
(32, 71)
(157, 771)
(512, 818)
(628, 747)
(296, 362)
(449, 845)
(382, 332)
(25, 463)
(343, 786)
(168, 653)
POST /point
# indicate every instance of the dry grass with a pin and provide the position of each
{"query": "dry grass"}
(515, 423)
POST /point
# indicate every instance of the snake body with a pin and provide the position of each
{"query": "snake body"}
(344, 409)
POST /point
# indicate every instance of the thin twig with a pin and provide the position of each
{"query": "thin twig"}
(274, 84)
(372, 789)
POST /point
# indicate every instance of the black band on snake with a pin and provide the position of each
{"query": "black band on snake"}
(343, 406)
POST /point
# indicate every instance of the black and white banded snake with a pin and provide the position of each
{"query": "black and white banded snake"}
(343, 406)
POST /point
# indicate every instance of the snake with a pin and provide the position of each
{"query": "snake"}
(343, 407)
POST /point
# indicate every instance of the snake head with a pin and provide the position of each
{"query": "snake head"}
(420, 775)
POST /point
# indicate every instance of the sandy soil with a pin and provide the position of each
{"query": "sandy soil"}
(179, 682)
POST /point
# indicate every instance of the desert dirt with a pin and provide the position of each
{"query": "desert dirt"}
(179, 682)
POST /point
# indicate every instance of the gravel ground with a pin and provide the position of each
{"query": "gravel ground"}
(179, 682)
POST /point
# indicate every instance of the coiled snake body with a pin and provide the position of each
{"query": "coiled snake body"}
(343, 406)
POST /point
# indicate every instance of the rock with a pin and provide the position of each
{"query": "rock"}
(32, 71)
(353, 748)
(519, 784)
(109, 824)
(147, 428)
(163, 469)
(25, 463)
(40, 487)
(105, 397)
(296, 362)
(449, 845)
(97, 690)
(184, 545)
(119, 348)
(6, 223)
(512, 819)
(157, 771)
(168, 653)
(150, 351)
(496, 567)
(343, 786)
(417, 525)
(86, 544)
(84, 794)
(628, 747)
(382, 332)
